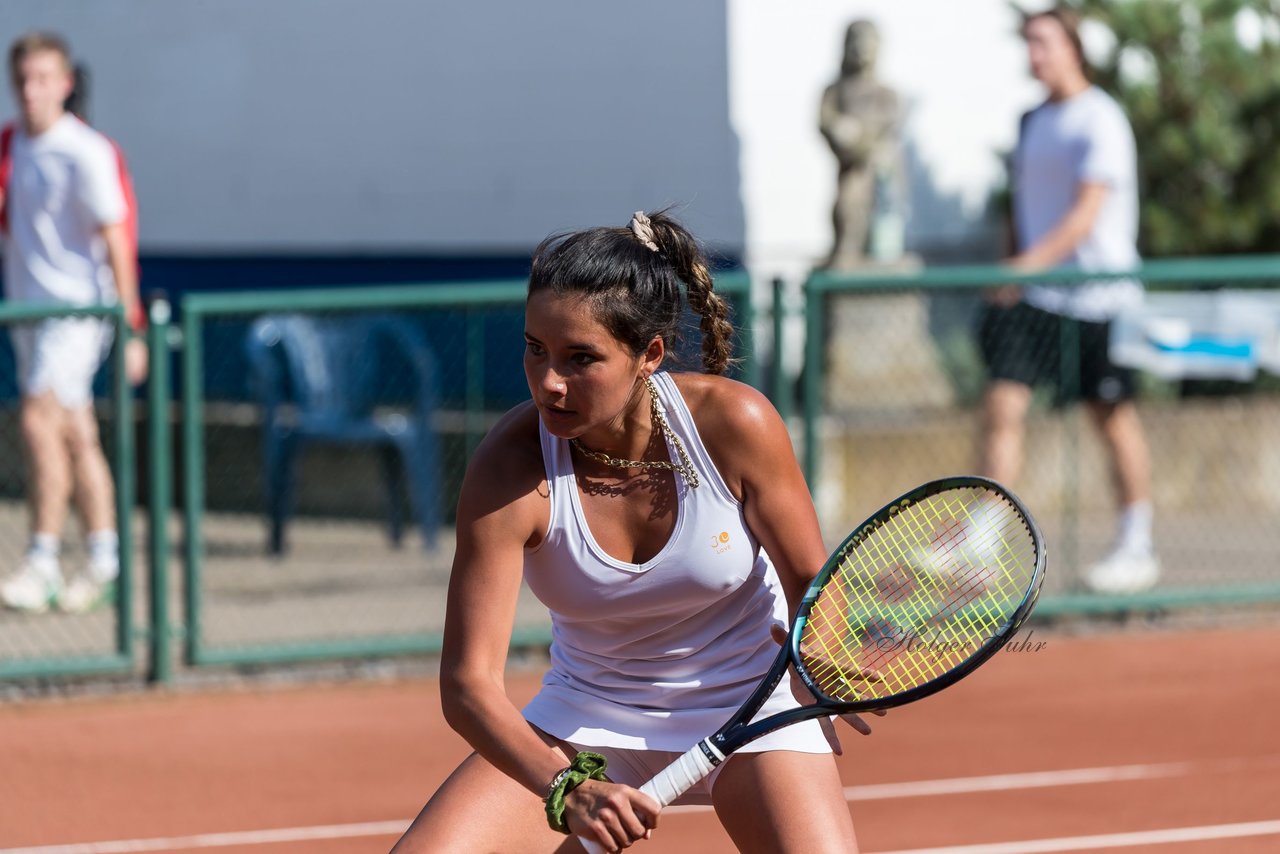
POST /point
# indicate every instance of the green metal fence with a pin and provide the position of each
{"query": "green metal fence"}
(341, 588)
(890, 394)
(57, 644)
(326, 596)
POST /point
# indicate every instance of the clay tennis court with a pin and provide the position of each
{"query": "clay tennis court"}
(1155, 739)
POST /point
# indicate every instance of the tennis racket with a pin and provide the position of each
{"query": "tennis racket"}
(912, 601)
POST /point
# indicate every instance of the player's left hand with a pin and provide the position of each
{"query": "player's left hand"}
(779, 634)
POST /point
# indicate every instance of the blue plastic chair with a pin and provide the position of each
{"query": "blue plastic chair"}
(322, 380)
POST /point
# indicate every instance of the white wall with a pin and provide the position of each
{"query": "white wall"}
(404, 125)
(960, 71)
(482, 125)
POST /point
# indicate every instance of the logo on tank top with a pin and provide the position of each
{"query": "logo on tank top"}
(720, 543)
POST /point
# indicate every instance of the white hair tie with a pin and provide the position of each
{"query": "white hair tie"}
(643, 230)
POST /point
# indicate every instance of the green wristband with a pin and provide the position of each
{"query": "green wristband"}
(585, 766)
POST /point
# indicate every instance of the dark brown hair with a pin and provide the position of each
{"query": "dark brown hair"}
(635, 290)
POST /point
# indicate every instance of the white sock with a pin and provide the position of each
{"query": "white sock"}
(44, 548)
(104, 554)
(44, 545)
(1135, 528)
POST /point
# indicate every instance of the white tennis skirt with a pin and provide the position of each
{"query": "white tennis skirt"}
(635, 767)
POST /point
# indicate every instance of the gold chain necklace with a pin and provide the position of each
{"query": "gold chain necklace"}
(685, 468)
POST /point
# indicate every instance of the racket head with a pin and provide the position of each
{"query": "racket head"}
(918, 596)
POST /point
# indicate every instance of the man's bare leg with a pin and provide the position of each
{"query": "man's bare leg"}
(1131, 566)
(44, 434)
(1004, 417)
(1126, 443)
(95, 494)
(95, 491)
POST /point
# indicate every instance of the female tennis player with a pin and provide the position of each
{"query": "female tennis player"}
(663, 520)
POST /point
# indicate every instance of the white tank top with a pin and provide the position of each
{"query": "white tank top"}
(655, 655)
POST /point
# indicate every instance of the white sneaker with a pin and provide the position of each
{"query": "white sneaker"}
(1123, 571)
(85, 592)
(34, 586)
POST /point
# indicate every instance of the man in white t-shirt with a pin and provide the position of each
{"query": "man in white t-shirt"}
(66, 243)
(1075, 205)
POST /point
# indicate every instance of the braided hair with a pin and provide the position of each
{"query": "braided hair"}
(632, 276)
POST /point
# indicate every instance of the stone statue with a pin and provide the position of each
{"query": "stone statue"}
(859, 119)
(880, 353)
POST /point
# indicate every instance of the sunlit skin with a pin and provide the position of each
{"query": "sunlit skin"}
(42, 82)
(585, 382)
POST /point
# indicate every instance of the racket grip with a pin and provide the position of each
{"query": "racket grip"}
(674, 780)
(683, 774)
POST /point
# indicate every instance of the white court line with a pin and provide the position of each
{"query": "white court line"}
(921, 788)
(221, 840)
(1029, 780)
(1109, 840)
(394, 828)
(1005, 782)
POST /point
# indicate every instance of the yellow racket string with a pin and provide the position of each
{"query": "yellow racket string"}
(918, 595)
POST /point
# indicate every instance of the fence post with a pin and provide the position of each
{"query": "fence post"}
(160, 488)
(748, 340)
(1069, 378)
(474, 414)
(124, 483)
(812, 376)
(783, 392)
(192, 471)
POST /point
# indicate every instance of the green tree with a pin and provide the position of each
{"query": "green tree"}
(1200, 82)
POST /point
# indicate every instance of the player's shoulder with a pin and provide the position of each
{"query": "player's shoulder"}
(513, 444)
(725, 406)
(505, 479)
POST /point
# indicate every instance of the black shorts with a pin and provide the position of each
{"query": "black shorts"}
(1023, 344)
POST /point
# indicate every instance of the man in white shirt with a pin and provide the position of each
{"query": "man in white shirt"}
(66, 243)
(1075, 206)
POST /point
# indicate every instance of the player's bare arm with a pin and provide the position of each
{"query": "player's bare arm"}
(501, 510)
(124, 269)
(122, 264)
(1074, 227)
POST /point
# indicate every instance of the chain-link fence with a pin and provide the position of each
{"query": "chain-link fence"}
(314, 442)
(326, 434)
(916, 377)
(35, 641)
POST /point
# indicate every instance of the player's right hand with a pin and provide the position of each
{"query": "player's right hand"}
(610, 814)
